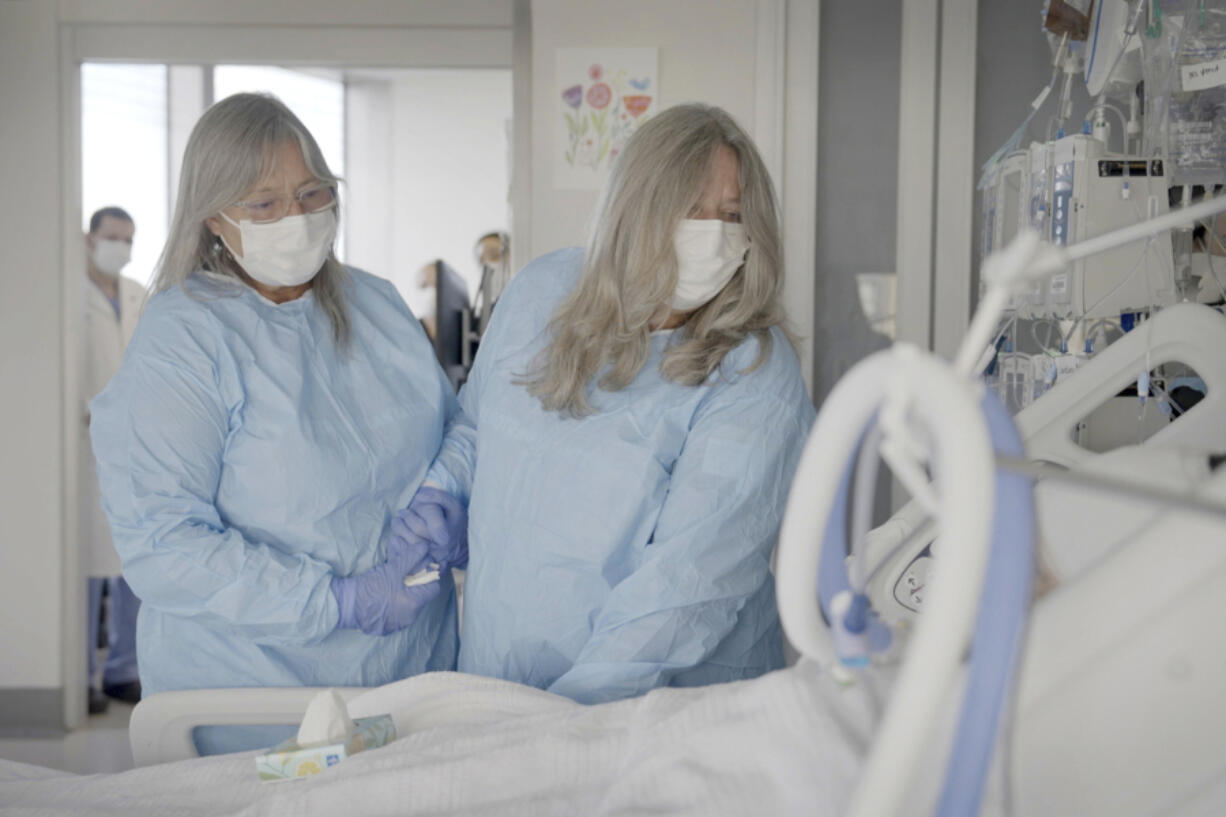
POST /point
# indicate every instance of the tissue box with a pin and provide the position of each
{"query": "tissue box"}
(289, 761)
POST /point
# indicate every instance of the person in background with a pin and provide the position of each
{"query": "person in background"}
(111, 308)
(427, 285)
(634, 417)
(492, 249)
(493, 255)
(273, 411)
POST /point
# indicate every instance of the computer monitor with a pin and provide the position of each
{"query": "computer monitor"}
(453, 337)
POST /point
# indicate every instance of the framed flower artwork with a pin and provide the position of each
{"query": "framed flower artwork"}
(603, 95)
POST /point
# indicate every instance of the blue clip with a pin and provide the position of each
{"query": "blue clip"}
(857, 635)
(850, 628)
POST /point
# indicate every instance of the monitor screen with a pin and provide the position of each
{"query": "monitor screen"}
(452, 315)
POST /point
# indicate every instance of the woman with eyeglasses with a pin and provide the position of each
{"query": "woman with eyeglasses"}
(273, 410)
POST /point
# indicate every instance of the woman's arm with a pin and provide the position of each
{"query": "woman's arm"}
(455, 466)
(159, 431)
(520, 315)
(708, 556)
(456, 462)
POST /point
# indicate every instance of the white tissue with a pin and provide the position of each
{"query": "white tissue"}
(429, 574)
(326, 720)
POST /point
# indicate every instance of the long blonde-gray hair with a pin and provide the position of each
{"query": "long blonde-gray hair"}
(231, 148)
(630, 266)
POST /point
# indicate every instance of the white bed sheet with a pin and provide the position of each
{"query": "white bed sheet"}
(787, 743)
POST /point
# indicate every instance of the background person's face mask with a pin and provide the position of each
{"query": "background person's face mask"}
(709, 252)
(285, 253)
(110, 256)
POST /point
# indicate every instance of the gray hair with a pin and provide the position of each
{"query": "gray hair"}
(231, 148)
(630, 266)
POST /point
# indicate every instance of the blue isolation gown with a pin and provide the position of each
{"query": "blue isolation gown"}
(631, 548)
(244, 459)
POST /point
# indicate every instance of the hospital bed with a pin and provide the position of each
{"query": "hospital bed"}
(1116, 705)
(473, 746)
(1118, 713)
(1187, 334)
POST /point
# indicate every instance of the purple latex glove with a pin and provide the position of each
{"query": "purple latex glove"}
(438, 520)
(377, 602)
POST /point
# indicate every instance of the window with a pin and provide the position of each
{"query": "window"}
(316, 96)
(124, 153)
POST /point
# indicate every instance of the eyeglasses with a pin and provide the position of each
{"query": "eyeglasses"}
(267, 208)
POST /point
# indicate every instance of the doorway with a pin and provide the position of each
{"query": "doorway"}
(131, 99)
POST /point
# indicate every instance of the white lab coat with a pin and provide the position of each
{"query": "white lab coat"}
(103, 340)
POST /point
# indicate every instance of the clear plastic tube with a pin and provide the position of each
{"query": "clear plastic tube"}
(1123, 124)
(1211, 233)
(1135, 266)
(1045, 344)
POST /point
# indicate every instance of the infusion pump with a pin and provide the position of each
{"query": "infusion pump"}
(1072, 190)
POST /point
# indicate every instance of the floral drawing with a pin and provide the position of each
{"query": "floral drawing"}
(598, 95)
(601, 114)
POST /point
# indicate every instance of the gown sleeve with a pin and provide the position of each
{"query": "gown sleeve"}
(159, 431)
(455, 466)
(456, 463)
(709, 555)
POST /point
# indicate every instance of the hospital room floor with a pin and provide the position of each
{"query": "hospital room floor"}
(100, 745)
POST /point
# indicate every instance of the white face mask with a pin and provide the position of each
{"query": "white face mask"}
(288, 252)
(709, 252)
(110, 256)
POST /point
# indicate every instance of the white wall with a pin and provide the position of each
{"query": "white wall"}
(440, 136)
(31, 344)
(451, 169)
(373, 13)
(706, 54)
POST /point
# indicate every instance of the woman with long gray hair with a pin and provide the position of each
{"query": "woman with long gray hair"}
(635, 414)
(273, 410)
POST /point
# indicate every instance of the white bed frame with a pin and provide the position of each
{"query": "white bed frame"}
(1186, 333)
(161, 726)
